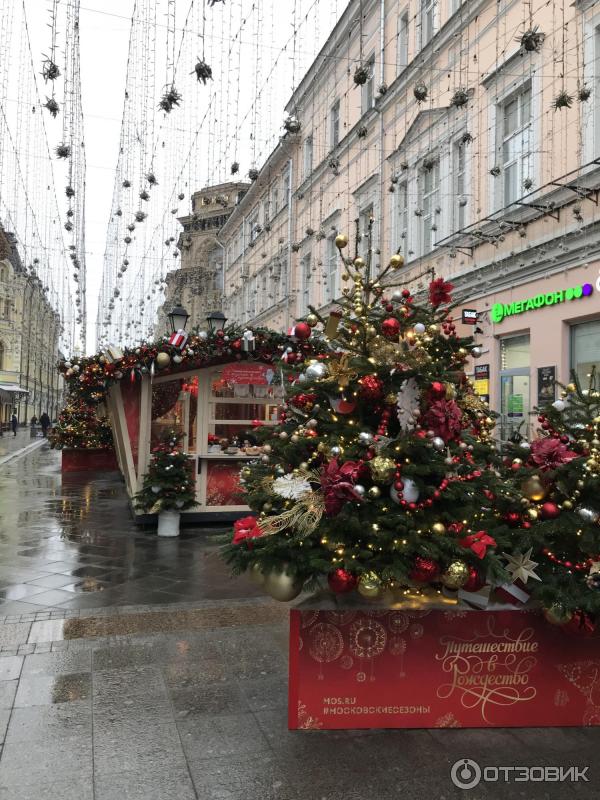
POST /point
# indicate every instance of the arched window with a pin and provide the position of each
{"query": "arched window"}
(7, 308)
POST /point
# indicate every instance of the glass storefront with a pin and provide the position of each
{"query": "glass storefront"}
(585, 351)
(514, 386)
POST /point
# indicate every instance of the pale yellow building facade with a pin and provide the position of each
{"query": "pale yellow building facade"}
(474, 145)
(29, 342)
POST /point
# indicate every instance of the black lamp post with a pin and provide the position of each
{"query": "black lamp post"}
(178, 319)
(216, 321)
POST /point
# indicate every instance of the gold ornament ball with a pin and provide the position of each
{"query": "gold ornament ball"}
(369, 585)
(312, 320)
(434, 329)
(557, 614)
(570, 387)
(382, 469)
(396, 261)
(341, 241)
(256, 574)
(438, 528)
(532, 513)
(359, 263)
(596, 420)
(567, 505)
(533, 488)
(374, 492)
(163, 360)
(282, 586)
(455, 575)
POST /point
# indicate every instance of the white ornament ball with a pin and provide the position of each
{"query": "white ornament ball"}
(559, 405)
(359, 489)
(155, 489)
(202, 335)
(588, 514)
(419, 328)
(410, 493)
(366, 438)
(177, 359)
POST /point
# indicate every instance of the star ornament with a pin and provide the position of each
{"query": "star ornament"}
(521, 567)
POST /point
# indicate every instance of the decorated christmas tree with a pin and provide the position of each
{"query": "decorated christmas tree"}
(81, 425)
(381, 474)
(169, 483)
(558, 474)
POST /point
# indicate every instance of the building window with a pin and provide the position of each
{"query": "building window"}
(365, 231)
(402, 47)
(304, 293)
(274, 198)
(460, 186)
(253, 227)
(2, 274)
(332, 270)
(428, 20)
(308, 156)
(1, 355)
(334, 124)
(585, 351)
(430, 198)
(401, 218)
(515, 121)
(7, 309)
(285, 187)
(367, 89)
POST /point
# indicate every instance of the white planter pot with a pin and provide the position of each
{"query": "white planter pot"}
(168, 523)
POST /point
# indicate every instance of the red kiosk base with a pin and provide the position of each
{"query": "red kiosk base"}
(81, 460)
(439, 669)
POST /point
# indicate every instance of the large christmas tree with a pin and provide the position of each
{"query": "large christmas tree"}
(381, 475)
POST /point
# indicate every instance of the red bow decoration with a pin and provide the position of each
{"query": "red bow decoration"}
(337, 483)
(244, 529)
(439, 292)
(478, 543)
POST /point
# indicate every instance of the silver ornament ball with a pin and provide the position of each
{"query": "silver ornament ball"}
(438, 443)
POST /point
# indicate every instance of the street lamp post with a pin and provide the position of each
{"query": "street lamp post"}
(216, 321)
(178, 318)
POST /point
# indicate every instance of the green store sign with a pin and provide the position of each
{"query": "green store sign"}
(502, 310)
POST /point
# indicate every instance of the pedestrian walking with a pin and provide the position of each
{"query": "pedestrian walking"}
(45, 423)
(34, 421)
(14, 423)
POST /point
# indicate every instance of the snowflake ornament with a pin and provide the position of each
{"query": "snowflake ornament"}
(407, 400)
(291, 487)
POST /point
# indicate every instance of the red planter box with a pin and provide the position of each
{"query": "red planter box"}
(439, 669)
(89, 461)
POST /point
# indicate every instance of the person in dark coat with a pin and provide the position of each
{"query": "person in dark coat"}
(14, 422)
(45, 423)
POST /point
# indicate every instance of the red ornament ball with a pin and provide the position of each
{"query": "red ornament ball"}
(513, 518)
(549, 511)
(424, 570)
(390, 327)
(438, 389)
(302, 330)
(341, 581)
(474, 582)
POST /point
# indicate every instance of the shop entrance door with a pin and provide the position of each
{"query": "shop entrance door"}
(514, 387)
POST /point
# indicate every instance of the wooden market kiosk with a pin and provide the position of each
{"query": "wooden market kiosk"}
(215, 408)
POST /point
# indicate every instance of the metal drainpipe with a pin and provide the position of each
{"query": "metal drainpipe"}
(381, 128)
(289, 258)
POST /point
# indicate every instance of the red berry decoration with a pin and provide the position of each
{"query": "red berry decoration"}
(390, 327)
(438, 389)
(549, 511)
(474, 582)
(341, 581)
(371, 387)
(424, 570)
(301, 330)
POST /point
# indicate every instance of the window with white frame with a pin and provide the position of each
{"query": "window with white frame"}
(307, 157)
(253, 226)
(428, 20)
(265, 211)
(368, 88)
(285, 187)
(402, 44)
(274, 198)
(365, 230)
(401, 217)
(429, 179)
(515, 128)
(304, 288)
(332, 260)
(334, 125)
(459, 155)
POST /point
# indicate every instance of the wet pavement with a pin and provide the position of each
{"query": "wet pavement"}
(150, 673)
